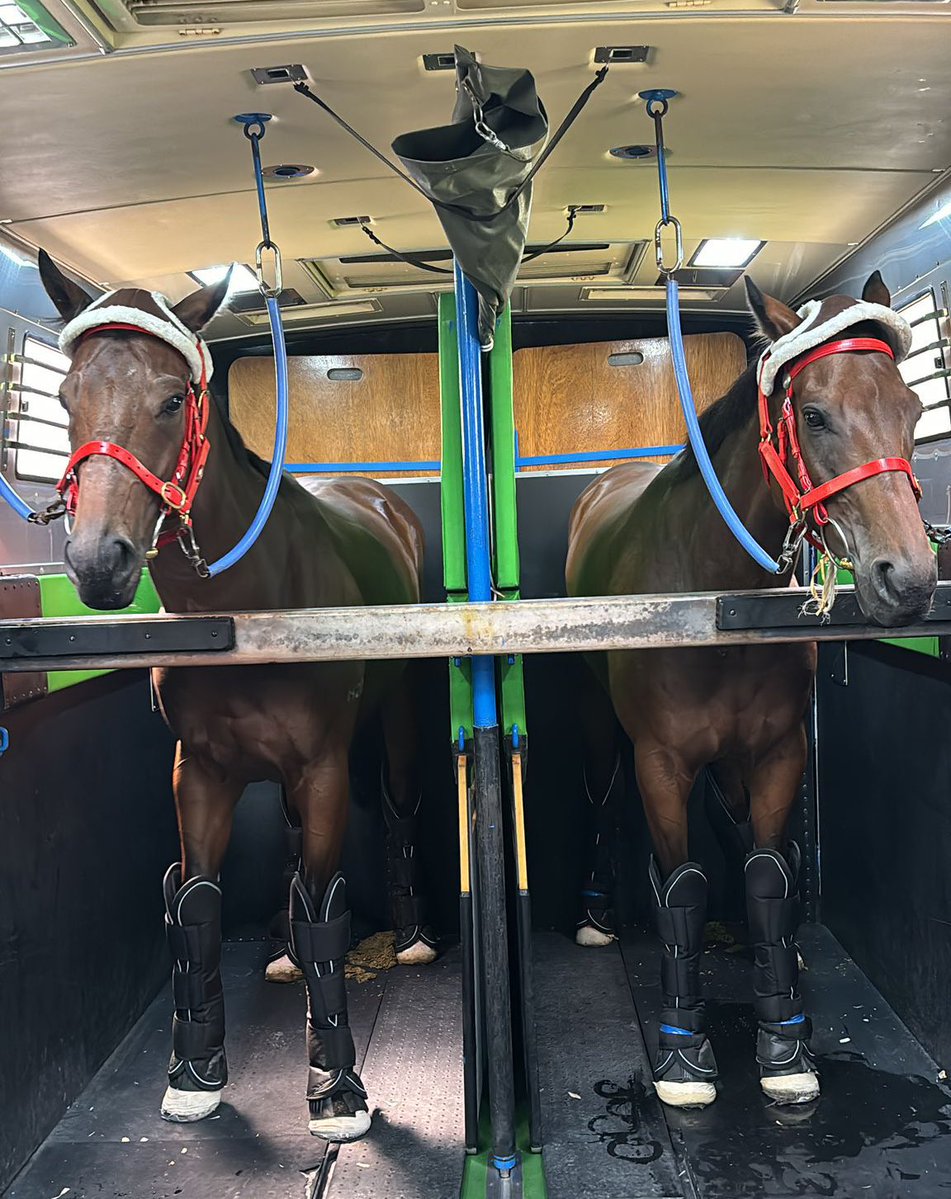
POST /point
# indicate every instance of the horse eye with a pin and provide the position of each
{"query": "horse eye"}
(173, 404)
(813, 418)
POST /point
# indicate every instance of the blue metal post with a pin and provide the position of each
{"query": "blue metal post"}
(487, 784)
(475, 486)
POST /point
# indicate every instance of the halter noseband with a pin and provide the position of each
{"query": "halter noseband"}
(177, 495)
(800, 494)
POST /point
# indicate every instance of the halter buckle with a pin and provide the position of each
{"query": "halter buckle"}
(173, 496)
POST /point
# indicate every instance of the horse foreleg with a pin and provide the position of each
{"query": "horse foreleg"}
(685, 1069)
(787, 1069)
(415, 942)
(198, 1070)
(601, 769)
(319, 939)
(280, 968)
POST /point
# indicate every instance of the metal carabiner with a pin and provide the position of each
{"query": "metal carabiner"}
(662, 224)
(269, 292)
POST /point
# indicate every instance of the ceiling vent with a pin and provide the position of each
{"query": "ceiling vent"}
(721, 278)
(348, 222)
(314, 313)
(253, 301)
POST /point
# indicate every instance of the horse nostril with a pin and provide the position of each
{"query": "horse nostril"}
(883, 579)
(123, 555)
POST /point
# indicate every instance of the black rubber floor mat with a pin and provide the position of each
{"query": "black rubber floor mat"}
(604, 1133)
(112, 1144)
(882, 1127)
(413, 1071)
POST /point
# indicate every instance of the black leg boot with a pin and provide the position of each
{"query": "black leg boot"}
(597, 925)
(198, 1069)
(336, 1097)
(787, 1069)
(280, 968)
(685, 1069)
(415, 941)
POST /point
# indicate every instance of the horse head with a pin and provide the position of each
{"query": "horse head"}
(131, 384)
(850, 409)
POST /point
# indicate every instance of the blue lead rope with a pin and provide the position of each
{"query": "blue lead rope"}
(20, 507)
(280, 447)
(697, 444)
(657, 102)
(254, 128)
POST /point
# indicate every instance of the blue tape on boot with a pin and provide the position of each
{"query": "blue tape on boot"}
(677, 1032)
(800, 1019)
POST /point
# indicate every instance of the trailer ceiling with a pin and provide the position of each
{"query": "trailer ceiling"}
(807, 130)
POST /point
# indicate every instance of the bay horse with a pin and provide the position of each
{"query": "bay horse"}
(140, 413)
(829, 381)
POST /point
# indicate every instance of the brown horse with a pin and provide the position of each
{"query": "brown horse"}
(351, 542)
(642, 529)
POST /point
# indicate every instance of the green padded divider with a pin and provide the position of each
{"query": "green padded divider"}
(58, 597)
(503, 457)
(451, 495)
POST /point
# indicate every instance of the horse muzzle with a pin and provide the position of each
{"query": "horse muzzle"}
(104, 570)
(897, 590)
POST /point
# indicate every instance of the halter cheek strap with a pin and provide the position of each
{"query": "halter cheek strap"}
(177, 494)
(800, 495)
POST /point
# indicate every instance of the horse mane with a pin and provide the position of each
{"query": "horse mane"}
(236, 441)
(722, 418)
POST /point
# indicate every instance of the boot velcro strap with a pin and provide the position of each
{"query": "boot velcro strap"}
(799, 1030)
(193, 1039)
(677, 1040)
(332, 1047)
(690, 1019)
(184, 941)
(773, 920)
(329, 993)
(402, 872)
(407, 910)
(681, 926)
(775, 1009)
(680, 976)
(188, 990)
(321, 942)
(777, 969)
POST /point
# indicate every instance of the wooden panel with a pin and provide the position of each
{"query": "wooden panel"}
(570, 399)
(390, 413)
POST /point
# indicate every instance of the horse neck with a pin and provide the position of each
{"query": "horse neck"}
(225, 504)
(715, 557)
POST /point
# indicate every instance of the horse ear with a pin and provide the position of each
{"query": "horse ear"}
(69, 297)
(875, 291)
(773, 318)
(196, 310)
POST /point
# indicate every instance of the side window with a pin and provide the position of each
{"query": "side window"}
(37, 421)
(925, 370)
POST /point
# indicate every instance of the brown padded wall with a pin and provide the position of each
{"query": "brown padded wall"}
(390, 414)
(571, 398)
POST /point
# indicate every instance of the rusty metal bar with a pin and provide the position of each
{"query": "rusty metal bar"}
(454, 630)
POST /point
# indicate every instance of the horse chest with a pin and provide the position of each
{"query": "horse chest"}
(266, 720)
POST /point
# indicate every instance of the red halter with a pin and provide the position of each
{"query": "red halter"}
(178, 493)
(800, 495)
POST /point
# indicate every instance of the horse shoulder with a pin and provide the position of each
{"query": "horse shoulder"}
(598, 519)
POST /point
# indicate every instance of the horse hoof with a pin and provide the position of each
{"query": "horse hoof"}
(185, 1107)
(791, 1088)
(593, 937)
(417, 954)
(283, 970)
(340, 1128)
(686, 1094)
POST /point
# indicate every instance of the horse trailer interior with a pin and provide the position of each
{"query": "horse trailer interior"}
(809, 146)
